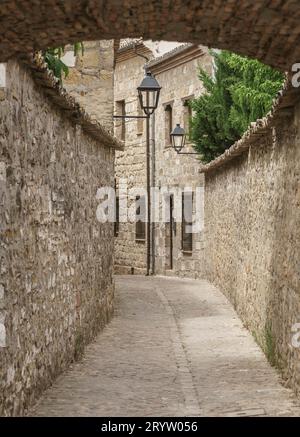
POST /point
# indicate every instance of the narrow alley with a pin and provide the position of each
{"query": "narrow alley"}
(175, 347)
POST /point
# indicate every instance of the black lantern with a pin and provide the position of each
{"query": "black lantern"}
(178, 138)
(149, 94)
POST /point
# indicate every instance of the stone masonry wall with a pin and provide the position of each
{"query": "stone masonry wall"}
(177, 73)
(90, 79)
(252, 239)
(267, 30)
(130, 163)
(179, 82)
(56, 287)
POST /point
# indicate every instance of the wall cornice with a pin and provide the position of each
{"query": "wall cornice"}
(131, 51)
(175, 58)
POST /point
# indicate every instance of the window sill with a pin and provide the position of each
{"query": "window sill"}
(140, 240)
(187, 252)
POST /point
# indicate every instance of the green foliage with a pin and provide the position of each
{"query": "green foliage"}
(53, 59)
(79, 346)
(240, 92)
(270, 348)
(267, 342)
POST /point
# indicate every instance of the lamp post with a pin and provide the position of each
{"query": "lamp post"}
(148, 93)
(178, 137)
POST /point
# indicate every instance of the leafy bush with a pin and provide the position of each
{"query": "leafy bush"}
(240, 91)
(53, 59)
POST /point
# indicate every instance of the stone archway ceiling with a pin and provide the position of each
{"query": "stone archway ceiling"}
(266, 29)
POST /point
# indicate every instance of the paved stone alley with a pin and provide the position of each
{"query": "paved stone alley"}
(175, 347)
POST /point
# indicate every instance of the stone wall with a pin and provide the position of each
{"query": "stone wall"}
(177, 73)
(56, 288)
(130, 254)
(252, 234)
(90, 79)
(267, 30)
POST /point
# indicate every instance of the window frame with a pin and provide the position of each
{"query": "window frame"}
(120, 122)
(186, 250)
(117, 217)
(140, 237)
(168, 122)
(187, 114)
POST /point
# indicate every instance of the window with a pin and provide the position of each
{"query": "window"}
(140, 121)
(187, 218)
(168, 124)
(120, 122)
(187, 115)
(140, 226)
(117, 218)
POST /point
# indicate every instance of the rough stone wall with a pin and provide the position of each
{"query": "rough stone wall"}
(90, 79)
(172, 170)
(252, 239)
(267, 30)
(56, 288)
(177, 73)
(130, 164)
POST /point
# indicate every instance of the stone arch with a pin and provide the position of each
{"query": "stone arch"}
(268, 30)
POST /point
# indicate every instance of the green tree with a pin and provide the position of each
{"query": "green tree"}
(53, 59)
(240, 91)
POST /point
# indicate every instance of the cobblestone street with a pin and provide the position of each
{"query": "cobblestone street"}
(175, 347)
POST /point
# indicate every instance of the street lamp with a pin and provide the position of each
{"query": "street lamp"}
(148, 92)
(178, 137)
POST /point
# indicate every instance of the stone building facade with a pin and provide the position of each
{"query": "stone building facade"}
(130, 164)
(90, 79)
(172, 252)
(56, 285)
(177, 74)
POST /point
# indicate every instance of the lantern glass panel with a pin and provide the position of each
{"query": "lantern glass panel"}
(177, 142)
(149, 94)
(178, 138)
(149, 100)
